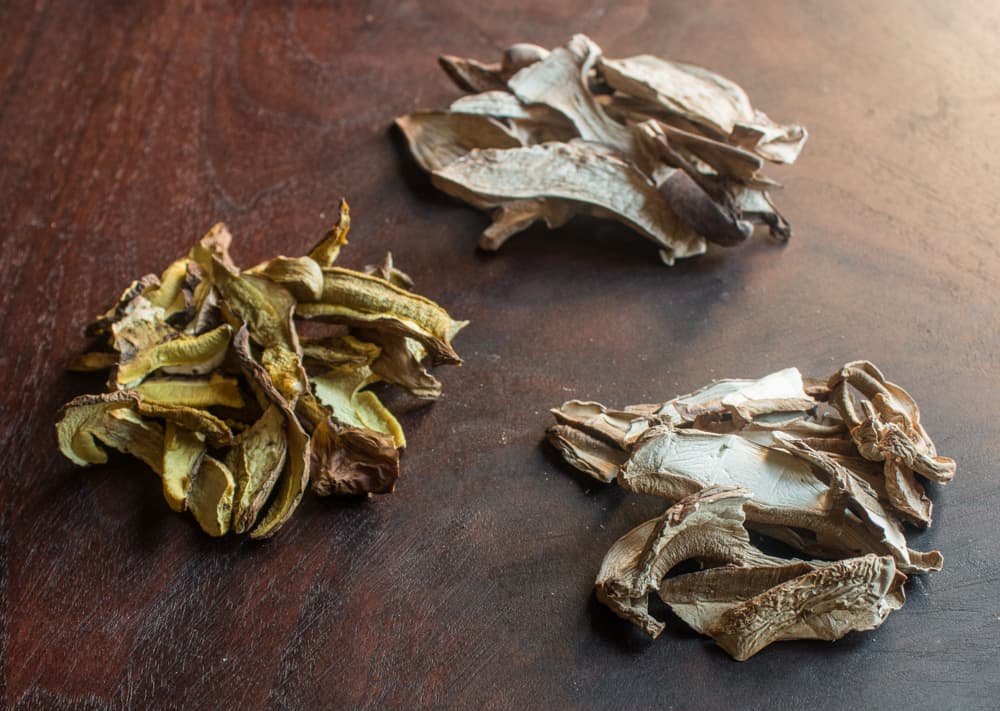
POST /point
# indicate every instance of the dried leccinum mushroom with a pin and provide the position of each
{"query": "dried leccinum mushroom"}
(672, 150)
(212, 387)
(788, 458)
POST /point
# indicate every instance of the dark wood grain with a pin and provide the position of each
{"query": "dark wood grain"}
(128, 128)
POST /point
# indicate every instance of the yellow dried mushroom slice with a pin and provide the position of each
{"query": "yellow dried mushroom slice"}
(211, 496)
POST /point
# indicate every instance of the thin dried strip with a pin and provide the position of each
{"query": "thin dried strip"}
(217, 433)
(256, 461)
(472, 75)
(216, 390)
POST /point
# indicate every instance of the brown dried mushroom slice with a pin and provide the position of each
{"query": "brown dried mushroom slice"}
(746, 609)
(706, 526)
(351, 461)
(256, 461)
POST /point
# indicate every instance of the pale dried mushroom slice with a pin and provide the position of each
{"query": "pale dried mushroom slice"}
(439, 138)
(341, 391)
(210, 497)
(302, 276)
(217, 433)
(587, 180)
(746, 609)
(706, 526)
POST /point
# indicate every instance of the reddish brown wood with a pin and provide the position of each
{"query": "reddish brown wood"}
(128, 128)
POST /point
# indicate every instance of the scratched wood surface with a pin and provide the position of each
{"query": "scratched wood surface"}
(128, 128)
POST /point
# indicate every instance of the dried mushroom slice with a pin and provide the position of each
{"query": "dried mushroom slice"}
(439, 138)
(256, 461)
(210, 497)
(189, 355)
(337, 351)
(217, 433)
(401, 362)
(101, 326)
(217, 390)
(293, 482)
(93, 361)
(585, 179)
(183, 451)
(706, 526)
(88, 421)
(746, 609)
(347, 460)
(587, 453)
(341, 391)
(302, 276)
(356, 299)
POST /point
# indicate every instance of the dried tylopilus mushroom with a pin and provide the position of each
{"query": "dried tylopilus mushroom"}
(796, 462)
(672, 150)
(211, 386)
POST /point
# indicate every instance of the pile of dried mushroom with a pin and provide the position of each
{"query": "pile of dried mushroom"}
(672, 150)
(211, 386)
(830, 469)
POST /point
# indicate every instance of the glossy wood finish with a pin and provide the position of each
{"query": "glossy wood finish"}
(128, 128)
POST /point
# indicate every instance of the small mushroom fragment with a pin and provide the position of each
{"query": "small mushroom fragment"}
(814, 466)
(211, 387)
(672, 150)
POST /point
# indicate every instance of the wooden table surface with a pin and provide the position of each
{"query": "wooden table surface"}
(128, 128)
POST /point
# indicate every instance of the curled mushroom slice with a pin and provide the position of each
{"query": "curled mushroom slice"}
(347, 460)
(302, 276)
(294, 476)
(706, 526)
(217, 433)
(210, 497)
(102, 324)
(183, 451)
(746, 609)
(472, 75)
(589, 454)
(191, 355)
(88, 421)
(341, 391)
(256, 461)
(401, 362)
(361, 300)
